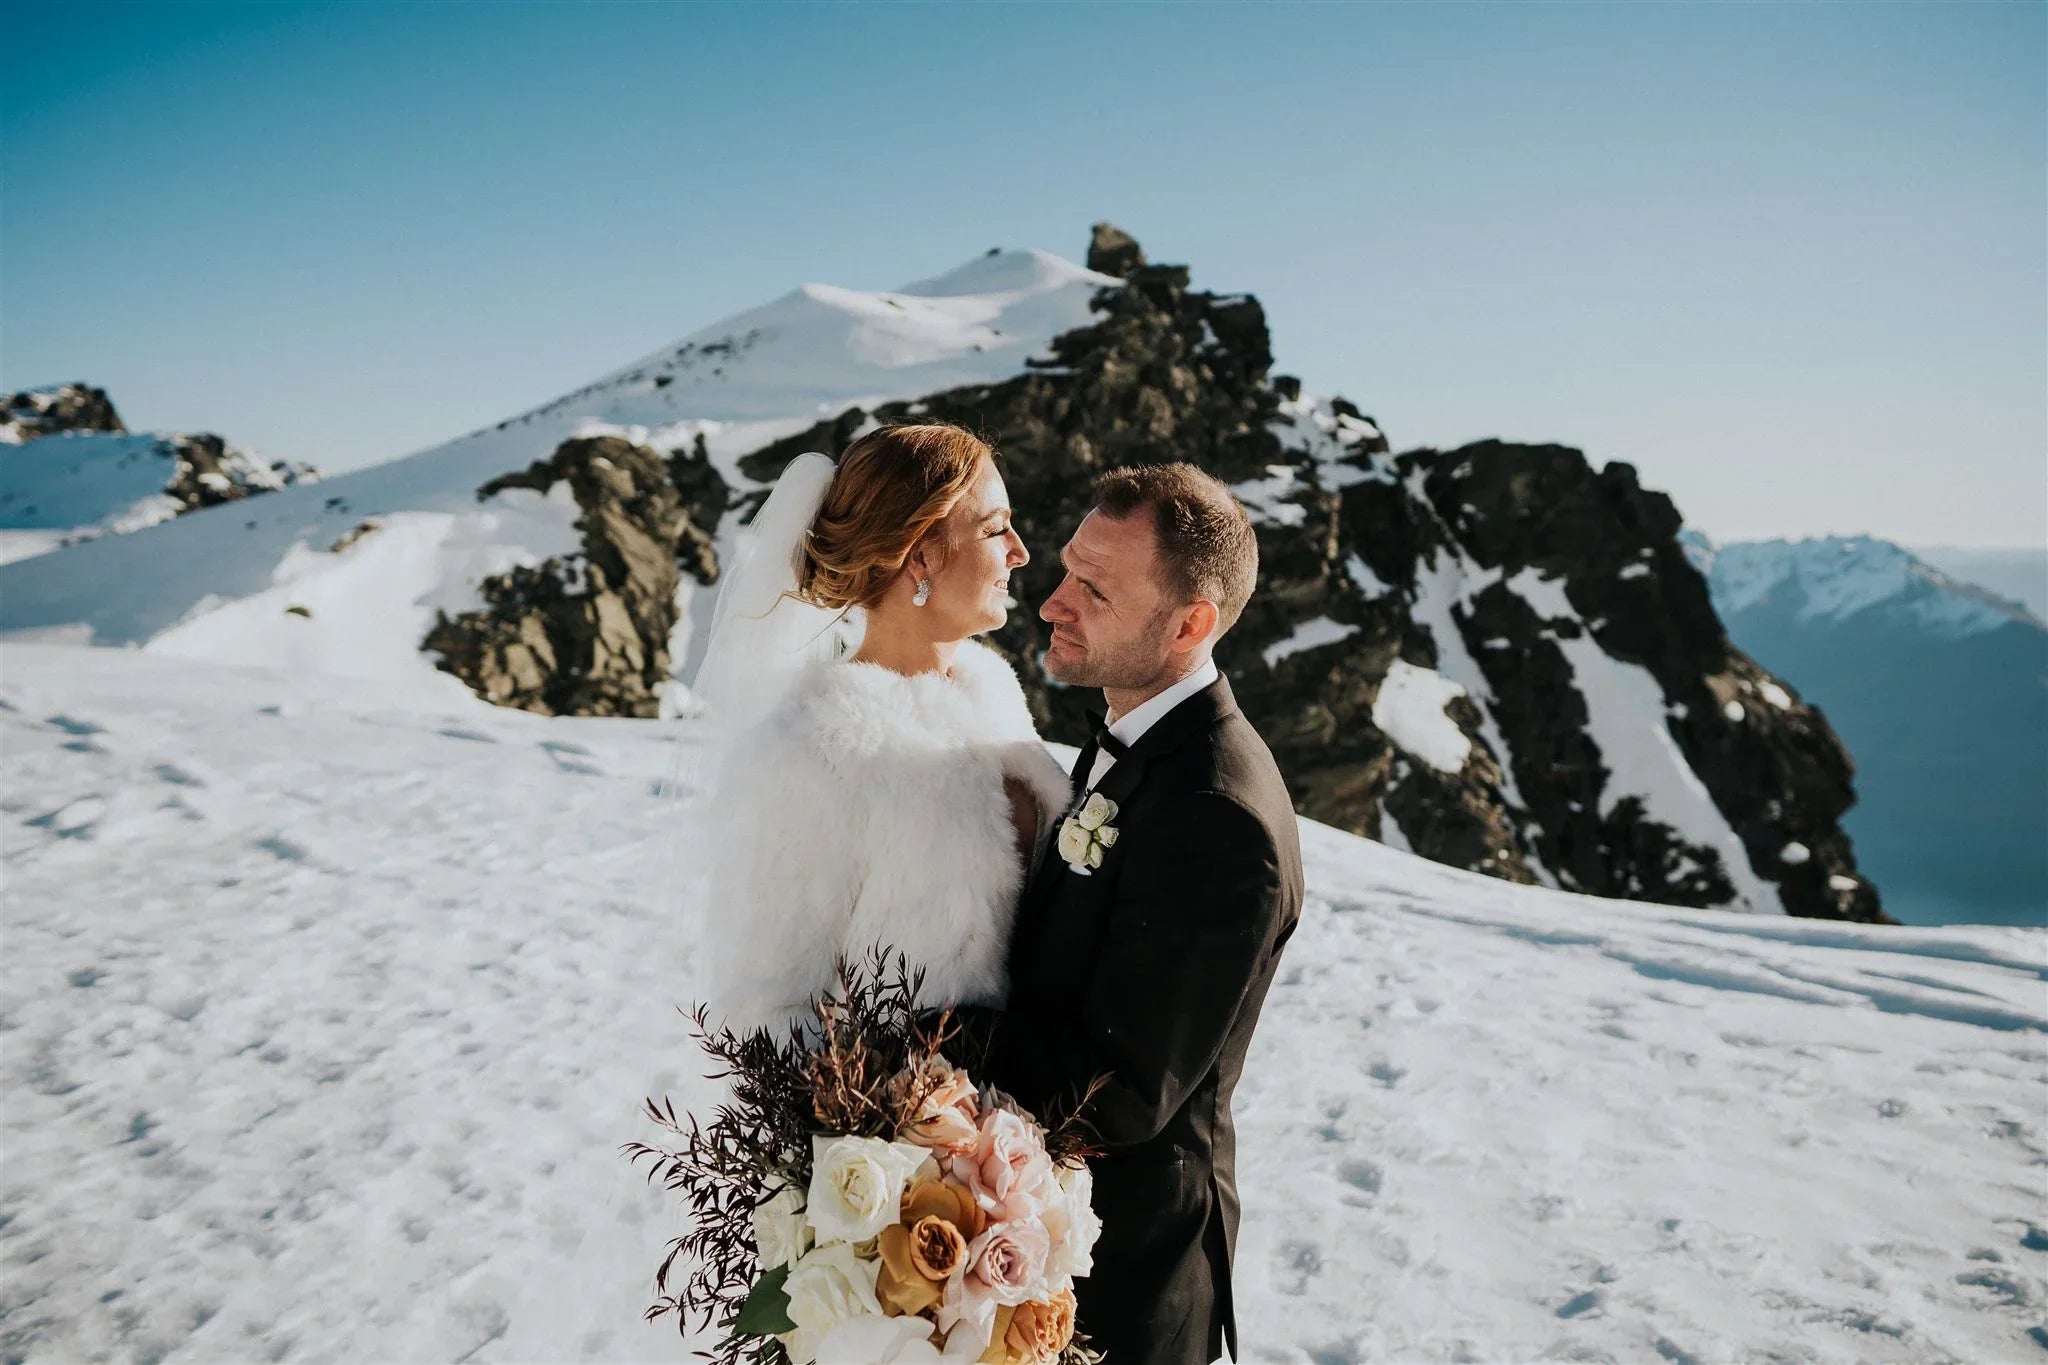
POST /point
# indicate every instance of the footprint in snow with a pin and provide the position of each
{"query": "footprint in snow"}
(72, 725)
(1580, 1303)
(476, 736)
(1362, 1175)
(176, 776)
(1300, 1262)
(74, 820)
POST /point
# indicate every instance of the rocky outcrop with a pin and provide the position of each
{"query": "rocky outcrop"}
(1496, 655)
(1113, 251)
(207, 471)
(72, 472)
(587, 633)
(33, 413)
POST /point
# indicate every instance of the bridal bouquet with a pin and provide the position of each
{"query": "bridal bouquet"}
(859, 1199)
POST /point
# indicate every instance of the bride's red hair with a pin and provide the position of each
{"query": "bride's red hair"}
(894, 485)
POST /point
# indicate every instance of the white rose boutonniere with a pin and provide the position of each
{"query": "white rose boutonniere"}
(1087, 834)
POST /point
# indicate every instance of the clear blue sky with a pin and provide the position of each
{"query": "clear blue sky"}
(1786, 259)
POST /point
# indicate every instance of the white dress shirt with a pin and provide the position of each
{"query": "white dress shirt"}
(1144, 716)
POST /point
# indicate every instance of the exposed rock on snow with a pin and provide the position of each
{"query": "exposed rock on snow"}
(588, 634)
(32, 413)
(79, 474)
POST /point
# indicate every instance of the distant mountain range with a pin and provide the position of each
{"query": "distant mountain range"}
(2017, 575)
(1940, 689)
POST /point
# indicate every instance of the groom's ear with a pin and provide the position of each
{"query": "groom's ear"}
(1197, 626)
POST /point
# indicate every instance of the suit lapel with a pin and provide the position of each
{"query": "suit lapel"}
(1169, 732)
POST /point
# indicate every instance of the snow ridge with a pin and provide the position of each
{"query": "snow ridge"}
(1833, 578)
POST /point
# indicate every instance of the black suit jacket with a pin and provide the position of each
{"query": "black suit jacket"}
(1153, 969)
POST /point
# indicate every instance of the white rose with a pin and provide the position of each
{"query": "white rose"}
(825, 1289)
(1074, 842)
(1097, 812)
(1095, 855)
(1106, 836)
(857, 1185)
(880, 1341)
(1070, 1218)
(780, 1232)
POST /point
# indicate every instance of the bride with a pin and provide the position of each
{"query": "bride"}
(891, 796)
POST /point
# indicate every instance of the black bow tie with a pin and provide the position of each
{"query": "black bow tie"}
(1104, 740)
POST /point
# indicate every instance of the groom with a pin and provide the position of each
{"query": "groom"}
(1151, 967)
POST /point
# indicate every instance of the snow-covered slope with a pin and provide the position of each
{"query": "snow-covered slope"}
(77, 485)
(738, 383)
(326, 1005)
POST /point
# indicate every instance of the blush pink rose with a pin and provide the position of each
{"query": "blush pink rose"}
(1006, 1264)
(1005, 1169)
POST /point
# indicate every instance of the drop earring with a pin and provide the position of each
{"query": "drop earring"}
(923, 594)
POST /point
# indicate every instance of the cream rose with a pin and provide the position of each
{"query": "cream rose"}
(781, 1234)
(880, 1341)
(1071, 1223)
(1074, 843)
(1098, 811)
(857, 1185)
(829, 1286)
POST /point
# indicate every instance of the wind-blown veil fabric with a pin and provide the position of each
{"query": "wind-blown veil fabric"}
(761, 634)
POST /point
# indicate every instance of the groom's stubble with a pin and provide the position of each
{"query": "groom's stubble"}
(1113, 623)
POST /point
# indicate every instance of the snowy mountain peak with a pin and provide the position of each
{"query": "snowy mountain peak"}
(1833, 578)
(822, 346)
(1004, 271)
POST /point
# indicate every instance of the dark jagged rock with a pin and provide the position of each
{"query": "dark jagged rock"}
(33, 413)
(1555, 599)
(587, 633)
(1112, 251)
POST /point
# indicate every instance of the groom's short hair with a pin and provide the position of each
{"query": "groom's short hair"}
(1207, 547)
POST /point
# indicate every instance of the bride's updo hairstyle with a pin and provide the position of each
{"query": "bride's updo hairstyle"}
(893, 486)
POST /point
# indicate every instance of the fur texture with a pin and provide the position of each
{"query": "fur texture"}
(869, 809)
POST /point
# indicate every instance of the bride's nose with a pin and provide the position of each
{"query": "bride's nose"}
(1018, 556)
